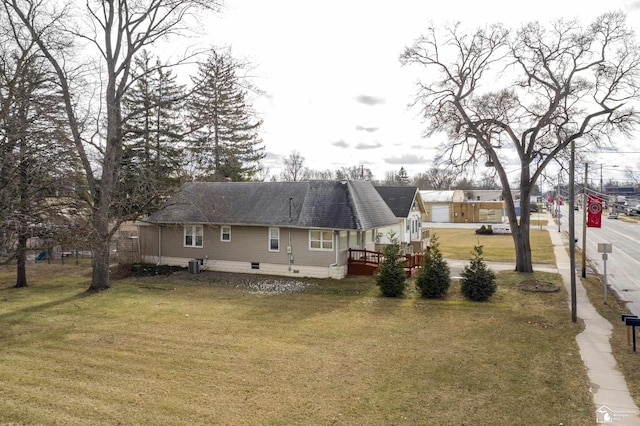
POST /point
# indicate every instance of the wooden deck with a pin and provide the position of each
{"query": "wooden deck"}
(367, 262)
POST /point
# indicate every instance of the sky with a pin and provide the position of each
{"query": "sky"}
(333, 86)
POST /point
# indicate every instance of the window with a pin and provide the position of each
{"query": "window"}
(321, 240)
(225, 233)
(193, 236)
(274, 239)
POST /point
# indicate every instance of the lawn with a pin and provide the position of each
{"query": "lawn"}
(226, 349)
(457, 243)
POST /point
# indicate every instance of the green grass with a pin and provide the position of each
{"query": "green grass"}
(457, 243)
(207, 349)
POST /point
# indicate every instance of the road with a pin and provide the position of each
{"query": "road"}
(623, 264)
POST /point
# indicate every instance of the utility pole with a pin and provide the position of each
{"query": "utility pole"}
(585, 206)
(572, 233)
(601, 188)
(558, 210)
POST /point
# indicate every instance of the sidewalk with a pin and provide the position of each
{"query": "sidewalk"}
(611, 397)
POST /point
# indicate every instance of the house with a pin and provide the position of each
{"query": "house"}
(406, 204)
(439, 204)
(276, 228)
(456, 206)
(483, 195)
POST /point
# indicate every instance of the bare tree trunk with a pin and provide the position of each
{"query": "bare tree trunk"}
(521, 235)
(522, 242)
(519, 229)
(112, 161)
(100, 251)
(21, 258)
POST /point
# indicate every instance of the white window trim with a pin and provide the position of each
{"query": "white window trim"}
(222, 228)
(269, 240)
(321, 240)
(193, 230)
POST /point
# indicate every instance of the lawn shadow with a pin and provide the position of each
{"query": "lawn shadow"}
(7, 316)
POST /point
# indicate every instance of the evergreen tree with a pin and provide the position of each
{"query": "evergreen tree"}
(478, 281)
(224, 143)
(152, 159)
(403, 177)
(391, 277)
(35, 160)
(433, 279)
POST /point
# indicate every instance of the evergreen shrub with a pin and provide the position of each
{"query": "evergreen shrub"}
(433, 279)
(478, 281)
(391, 277)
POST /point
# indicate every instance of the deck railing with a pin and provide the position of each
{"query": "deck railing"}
(367, 262)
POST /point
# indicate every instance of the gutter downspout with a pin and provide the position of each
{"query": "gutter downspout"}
(159, 243)
(289, 250)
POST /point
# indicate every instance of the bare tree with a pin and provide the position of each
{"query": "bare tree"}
(321, 174)
(400, 177)
(117, 30)
(390, 178)
(354, 173)
(436, 179)
(556, 86)
(294, 168)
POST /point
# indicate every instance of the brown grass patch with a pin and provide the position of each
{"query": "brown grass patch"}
(211, 352)
(457, 243)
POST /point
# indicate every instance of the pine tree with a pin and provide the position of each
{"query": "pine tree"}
(152, 159)
(391, 277)
(35, 160)
(478, 281)
(224, 143)
(402, 177)
(433, 279)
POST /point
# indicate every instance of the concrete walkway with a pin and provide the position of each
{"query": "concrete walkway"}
(611, 397)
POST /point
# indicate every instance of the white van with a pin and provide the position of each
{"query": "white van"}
(501, 228)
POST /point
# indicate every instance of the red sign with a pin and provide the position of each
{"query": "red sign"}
(594, 216)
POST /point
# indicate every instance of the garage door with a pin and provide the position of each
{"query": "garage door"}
(440, 213)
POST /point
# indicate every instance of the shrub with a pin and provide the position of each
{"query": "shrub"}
(433, 279)
(478, 282)
(149, 269)
(484, 230)
(391, 277)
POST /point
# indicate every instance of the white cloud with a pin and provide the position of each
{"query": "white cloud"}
(336, 90)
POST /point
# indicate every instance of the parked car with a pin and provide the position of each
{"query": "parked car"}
(612, 215)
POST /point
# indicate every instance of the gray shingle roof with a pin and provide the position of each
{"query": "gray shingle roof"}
(398, 198)
(314, 204)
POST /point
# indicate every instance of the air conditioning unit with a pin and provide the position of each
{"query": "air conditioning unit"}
(194, 266)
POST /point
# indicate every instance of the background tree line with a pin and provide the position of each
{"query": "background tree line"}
(89, 141)
(436, 178)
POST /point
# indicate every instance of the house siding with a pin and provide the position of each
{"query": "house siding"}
(336, 272)
(247, 242)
